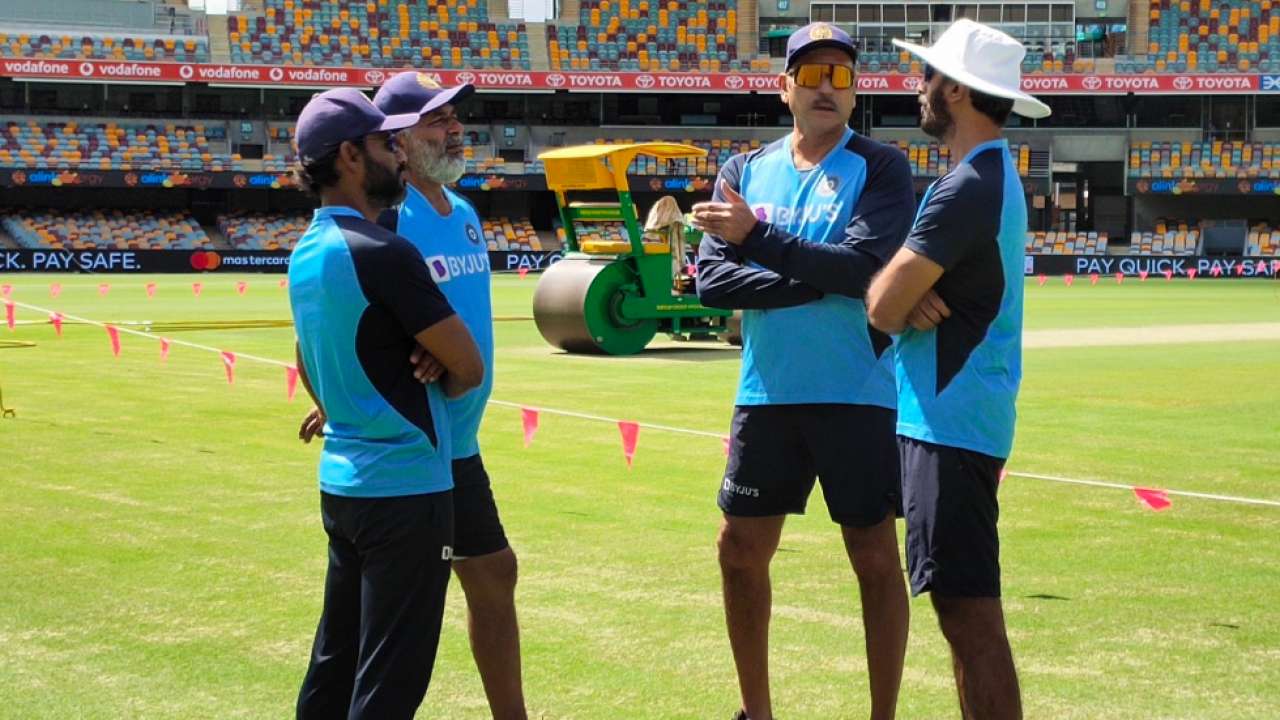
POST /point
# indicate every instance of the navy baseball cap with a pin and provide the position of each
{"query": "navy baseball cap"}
(417, 93)
(335, 116)
(819, 35)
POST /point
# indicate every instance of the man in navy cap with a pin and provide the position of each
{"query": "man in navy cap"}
(446, 230)
(794, 233)
(362, 301)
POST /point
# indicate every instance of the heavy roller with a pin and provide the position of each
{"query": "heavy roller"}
(613, 296)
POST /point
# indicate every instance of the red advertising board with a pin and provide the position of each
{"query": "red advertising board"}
(520, 80)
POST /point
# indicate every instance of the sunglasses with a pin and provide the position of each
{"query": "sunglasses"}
(810, 75)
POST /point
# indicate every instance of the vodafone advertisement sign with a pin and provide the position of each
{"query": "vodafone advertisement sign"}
(518, 80)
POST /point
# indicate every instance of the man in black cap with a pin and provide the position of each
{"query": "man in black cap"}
(447, 231)
(362, 301)
(794, 233)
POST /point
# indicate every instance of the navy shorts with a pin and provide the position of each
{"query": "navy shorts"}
(776, 452)
(477, 528)
(949, 495)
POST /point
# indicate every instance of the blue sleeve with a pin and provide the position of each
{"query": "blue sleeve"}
(723, 281)
(879, 224)
(955, 218)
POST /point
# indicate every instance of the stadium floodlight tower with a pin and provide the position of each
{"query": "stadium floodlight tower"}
(613, 295)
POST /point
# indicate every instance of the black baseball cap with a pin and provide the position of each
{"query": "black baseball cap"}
(819, 35)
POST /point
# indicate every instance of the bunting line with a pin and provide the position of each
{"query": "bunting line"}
(651, 426)
(126, 330)
(1118, 486)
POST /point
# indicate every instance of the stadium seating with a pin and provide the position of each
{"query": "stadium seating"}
(263, 231)
(1215, 159)
(108, 146)
(1263, 240)
(1210, 36)
(478, 152)
(105, 229)
(934, 159)
(650, 36)
(503, 233)
(67, 45)
(1066, 243)
(1170, 237)
(410, 33)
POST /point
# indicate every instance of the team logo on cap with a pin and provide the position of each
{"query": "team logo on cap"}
(820, 31)
(428, 82)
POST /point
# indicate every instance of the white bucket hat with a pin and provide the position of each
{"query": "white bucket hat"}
(981, 58)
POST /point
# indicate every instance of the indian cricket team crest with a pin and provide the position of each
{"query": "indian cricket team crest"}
(428, 82)
(820, 32)
(828, 186)
(473, 235)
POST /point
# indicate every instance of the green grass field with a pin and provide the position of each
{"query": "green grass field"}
(162, 555)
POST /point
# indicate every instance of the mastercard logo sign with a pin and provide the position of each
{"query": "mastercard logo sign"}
(204, 260)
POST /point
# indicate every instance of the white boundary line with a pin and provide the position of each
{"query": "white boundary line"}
(668, 428)
(149, 335)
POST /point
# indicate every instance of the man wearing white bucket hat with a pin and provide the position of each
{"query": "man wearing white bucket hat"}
(953, 296)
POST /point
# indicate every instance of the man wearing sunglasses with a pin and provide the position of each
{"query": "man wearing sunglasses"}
(953, 295)
(794, 233)
(362, 300)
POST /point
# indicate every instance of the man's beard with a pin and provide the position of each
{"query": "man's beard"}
(383, 187)
(936, 121)
(433, 162)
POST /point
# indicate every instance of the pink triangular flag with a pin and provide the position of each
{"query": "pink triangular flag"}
(164, 349)
(104, 288)
(9, 310)
(1119, 278)
(290, 381)
(529, 421)
(113, 334)
(1042, 279)
(1093, 278)
(1068, 279)
(1155, 499)
(6, 290)
(522, 272)
(1168, 274)
(151, 290)
(1142, 275)
(55, 289)
(630, 434)
(229, 363)
(241, 287)
(196, 288)
(1216, 270)
(724, 441)
(284, 283)
(1191, 273)
(56, 320)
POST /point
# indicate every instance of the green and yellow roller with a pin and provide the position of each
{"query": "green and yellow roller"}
(619, 284)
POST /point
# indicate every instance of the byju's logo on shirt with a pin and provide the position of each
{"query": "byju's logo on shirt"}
(444, 268)
(786, 216)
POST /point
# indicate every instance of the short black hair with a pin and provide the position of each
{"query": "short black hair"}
(316, 175)
(996, 108)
